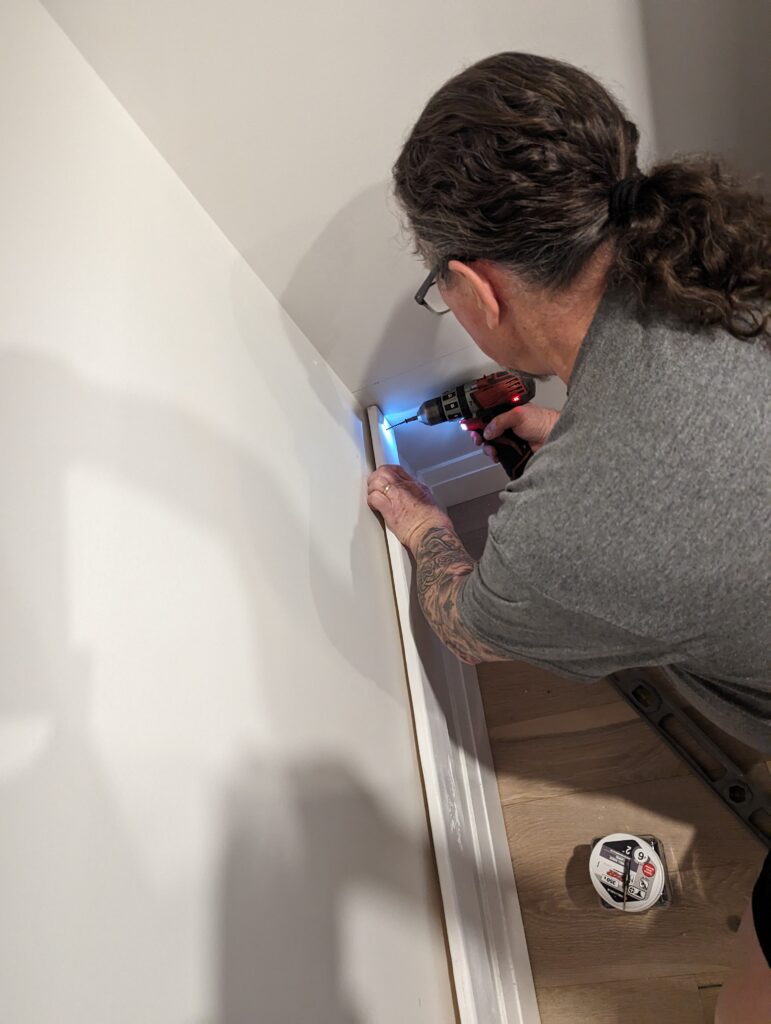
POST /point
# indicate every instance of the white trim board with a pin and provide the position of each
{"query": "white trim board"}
(468, 476)
(486, 936)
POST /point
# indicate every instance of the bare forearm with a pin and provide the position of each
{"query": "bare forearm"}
(442, 565)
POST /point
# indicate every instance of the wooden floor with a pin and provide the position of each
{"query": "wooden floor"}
(574, 761)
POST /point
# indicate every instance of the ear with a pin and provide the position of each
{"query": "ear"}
(482, 287)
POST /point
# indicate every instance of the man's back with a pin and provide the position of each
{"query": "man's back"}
(638, 534)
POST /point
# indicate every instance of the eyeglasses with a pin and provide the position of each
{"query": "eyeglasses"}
(433, 301)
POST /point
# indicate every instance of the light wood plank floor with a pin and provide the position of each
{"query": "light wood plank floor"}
(574, 761)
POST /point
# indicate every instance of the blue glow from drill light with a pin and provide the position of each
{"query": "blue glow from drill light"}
(396, 418)
(463, 426)
(388, 440)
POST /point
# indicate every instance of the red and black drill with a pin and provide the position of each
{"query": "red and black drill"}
(478, 402)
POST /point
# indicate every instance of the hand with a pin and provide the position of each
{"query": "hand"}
(533, 423)
(408, 507)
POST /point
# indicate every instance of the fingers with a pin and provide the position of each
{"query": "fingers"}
(382, 473)
(378, 485)
(488, 449)
(392, 472)
(402, 501)
(494, 428)
(378, 501)
(397, 472)
(502, 423)
(385, 475)
(531, 422)
(393, 482)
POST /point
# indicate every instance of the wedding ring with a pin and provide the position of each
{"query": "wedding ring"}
(385, 489)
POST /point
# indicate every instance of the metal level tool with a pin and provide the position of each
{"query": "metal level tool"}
(678, 730)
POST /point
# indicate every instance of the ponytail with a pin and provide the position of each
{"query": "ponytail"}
(696, 244)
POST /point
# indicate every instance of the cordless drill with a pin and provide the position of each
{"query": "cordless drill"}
(478, 402)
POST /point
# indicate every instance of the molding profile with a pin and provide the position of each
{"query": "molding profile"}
(485, 934)
(468, 476)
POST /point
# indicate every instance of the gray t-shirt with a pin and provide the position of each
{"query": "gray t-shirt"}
(638, 534)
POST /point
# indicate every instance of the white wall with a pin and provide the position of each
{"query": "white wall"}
(710, 79)
(209, 801)
(284, 120)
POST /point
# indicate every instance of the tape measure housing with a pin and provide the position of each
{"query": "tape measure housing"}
(623, 860)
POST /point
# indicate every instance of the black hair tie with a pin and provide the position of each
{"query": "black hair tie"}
(622, 200)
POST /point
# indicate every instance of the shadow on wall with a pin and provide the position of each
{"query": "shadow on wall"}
(349, 622)
(350, 277)
(284, 887)
(710, 79)
(281, 958)
(328, 310)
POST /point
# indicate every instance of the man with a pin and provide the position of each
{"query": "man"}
(637, 534)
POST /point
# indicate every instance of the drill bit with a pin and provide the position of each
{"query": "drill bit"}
(409, 419)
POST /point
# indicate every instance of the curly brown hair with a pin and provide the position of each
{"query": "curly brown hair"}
(513, 161)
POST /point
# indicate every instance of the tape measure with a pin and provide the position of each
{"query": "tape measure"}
(629, 872)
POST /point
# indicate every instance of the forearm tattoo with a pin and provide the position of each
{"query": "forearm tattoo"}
(442, 567)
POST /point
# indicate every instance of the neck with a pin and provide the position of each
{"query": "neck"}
(555, 325)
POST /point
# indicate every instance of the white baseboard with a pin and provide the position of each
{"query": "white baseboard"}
(485, 933)
(466, 477)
